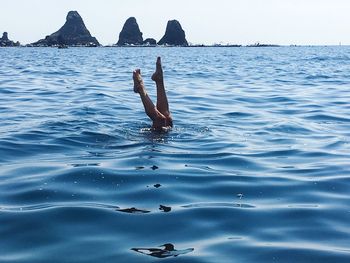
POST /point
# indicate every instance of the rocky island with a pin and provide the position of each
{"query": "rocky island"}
(72, 33)
(174, 35)
(6, 42)
(75, 33)
(150, 42)
(130, 34)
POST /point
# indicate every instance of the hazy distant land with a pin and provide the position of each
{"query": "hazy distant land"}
(75, 34)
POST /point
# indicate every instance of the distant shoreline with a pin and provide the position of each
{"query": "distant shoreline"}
(189, 46)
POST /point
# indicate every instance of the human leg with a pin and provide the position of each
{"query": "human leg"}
(139, 88)
(162, 100)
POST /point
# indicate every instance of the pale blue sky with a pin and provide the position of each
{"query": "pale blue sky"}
(204, 21)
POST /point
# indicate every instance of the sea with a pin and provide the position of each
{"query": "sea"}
(255, 169)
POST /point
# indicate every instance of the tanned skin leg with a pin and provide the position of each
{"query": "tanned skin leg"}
(152, 112)
(162, 100)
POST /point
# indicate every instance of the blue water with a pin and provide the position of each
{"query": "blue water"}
(256, 168)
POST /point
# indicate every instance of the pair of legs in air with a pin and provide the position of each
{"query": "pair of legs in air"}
(159, 114)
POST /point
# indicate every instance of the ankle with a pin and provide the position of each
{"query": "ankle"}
(160, 83)
(142, 92)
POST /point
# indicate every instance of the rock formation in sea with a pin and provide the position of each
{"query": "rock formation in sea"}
(72, 33)
(130, 34)
(174, 35)
(150, 42)
(6, 42)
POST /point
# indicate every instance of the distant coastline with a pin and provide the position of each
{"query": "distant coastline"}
(75, 34)
(152, 46)
(174, 46)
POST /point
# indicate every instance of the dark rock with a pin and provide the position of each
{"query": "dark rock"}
(72, 33)
(174, 35)
(6, 42)
(130, 34)
(150, 42)
(5, 36)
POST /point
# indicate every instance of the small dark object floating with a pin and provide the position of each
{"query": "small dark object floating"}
(133, 210)
(168, 251)
(165, 208)
(154, 167)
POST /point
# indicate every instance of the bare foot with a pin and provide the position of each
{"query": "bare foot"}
(158, 75)
(138, 82)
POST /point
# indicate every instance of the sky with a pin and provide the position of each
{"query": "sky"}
(284, 22)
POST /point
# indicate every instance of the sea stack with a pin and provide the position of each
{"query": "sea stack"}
(150, 42)
(130, 34)
(6, 42)
(174, 35)
(72, 33)
(5, 36)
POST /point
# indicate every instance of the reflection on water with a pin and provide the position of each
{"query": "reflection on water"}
(133, 210)
(165, 208)
(167, 251)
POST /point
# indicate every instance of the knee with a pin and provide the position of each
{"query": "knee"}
(169, 121)
(159, 121)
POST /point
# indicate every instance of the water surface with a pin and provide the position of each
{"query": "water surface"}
(256, 168)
